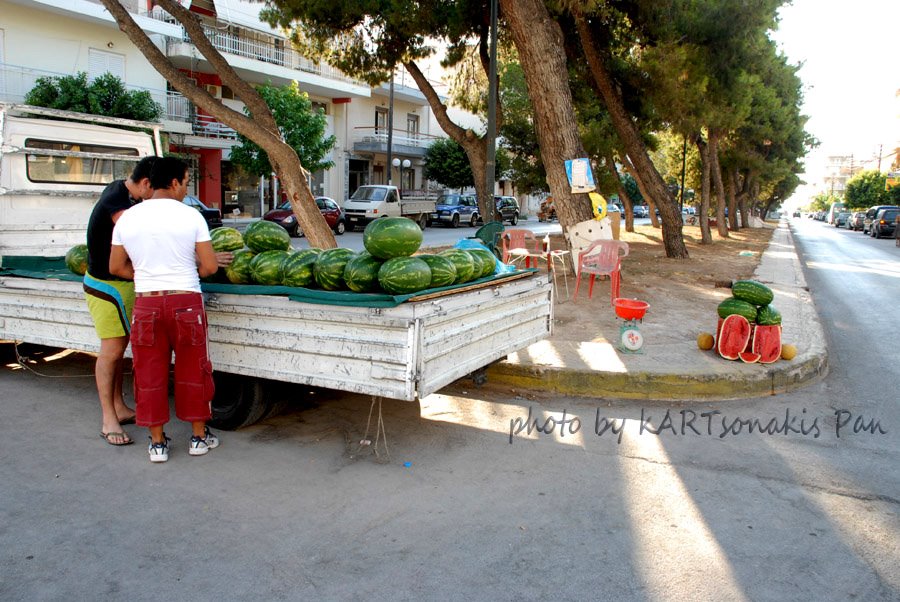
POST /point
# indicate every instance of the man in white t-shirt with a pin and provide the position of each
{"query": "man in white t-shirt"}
(164, 246)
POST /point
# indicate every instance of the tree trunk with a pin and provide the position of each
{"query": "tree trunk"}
(474, 145)
(703, 148)
(716, 172)
(654, 218)
(634, 146)
(730, 187)
(623, 194)
(259, 127)
(539, 41)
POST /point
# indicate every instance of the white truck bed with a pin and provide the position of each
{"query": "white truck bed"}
(404, 352)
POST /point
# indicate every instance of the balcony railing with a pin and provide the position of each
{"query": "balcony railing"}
(208, 127)
(17, 81)
(280, 54)
(399, 138)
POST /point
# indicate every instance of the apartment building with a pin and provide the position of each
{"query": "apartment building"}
(62, 37)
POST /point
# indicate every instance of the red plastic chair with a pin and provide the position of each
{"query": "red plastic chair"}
(519, 243)
(602, 258)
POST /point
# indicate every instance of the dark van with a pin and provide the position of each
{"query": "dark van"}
(871, 212)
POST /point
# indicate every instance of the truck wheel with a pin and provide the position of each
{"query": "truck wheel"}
(239, 401)
(475, 220)
(423, 221)
(454, 223)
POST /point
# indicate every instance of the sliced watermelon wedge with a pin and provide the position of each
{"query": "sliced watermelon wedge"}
(733, 336)
(748, 357)
(767, 343)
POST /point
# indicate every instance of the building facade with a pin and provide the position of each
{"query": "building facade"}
(40, 38)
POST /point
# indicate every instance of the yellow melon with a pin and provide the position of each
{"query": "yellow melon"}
(788, 352)
(705, 341)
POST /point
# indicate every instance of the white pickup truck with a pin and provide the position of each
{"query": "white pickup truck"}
(370, 202)
(405, 351)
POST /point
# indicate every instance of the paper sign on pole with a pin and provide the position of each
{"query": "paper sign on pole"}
(581, 178)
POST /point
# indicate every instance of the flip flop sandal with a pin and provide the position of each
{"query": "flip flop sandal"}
(111, 437)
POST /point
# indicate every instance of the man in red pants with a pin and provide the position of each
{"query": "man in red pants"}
(164, 245)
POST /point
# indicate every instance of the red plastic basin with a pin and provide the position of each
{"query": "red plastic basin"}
(630, 309)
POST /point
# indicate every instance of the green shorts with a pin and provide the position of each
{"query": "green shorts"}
(110, 303)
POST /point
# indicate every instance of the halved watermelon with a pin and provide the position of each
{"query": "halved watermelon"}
(767, 343)
(733, 336)
(748, 357)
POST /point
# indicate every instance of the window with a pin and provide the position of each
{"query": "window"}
(412, 125)
(381, 120)
(101, 61)
(62, 169)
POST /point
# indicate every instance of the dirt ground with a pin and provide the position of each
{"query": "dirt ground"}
(682, 293)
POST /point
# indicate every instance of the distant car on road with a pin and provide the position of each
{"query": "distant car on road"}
(641, 211)
(871, 212)
(213, 217)
(840, 220)
(451, 209)
(283, 215)
(884, 223)
(507, 209)
(856, 220)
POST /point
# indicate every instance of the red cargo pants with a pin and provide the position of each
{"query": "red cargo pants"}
(164, 322)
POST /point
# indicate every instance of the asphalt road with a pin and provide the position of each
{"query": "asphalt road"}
(294, 509)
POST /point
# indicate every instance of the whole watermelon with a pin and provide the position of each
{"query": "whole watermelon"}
(328, 270)
(443, 272)
(267, 268)
(298, 268)
(77, 259)
(733, 306)
(462, 261)
(389, 237)
(476, 262)
(361, 273)
(752, 291)
(488, 261)
(404, 275)
(239, 270)
(266, 236)
(768, 316)
(226, 239)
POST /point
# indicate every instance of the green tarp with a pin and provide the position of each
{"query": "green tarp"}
(55, 268)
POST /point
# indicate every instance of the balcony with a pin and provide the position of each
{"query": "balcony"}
(260, 58)
(374, 140)
(17, 81)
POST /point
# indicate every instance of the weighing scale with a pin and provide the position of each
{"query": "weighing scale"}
(632, 312)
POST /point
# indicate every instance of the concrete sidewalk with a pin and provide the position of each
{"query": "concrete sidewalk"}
(674, 368)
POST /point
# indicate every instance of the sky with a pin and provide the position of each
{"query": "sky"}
(850, 52)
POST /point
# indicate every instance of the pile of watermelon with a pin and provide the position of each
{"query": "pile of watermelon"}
(387, 264)
(749, 327)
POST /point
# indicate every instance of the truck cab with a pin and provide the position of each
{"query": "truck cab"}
(373, 201)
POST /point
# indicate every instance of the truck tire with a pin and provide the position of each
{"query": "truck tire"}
(422, 221)
(475, 219)
(239, 401)
(454, 223)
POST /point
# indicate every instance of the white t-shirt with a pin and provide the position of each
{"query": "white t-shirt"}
(160, 237)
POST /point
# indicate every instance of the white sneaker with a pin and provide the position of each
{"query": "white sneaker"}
(201, 445)
(159, 452)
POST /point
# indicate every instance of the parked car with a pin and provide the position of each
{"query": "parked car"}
(796, 214)
(212, 216)
(451, 209)
(871, 212)
(840, 220)
(507, 209)
(283, 215)
(856, 220)
(641, 211)
(884, 223)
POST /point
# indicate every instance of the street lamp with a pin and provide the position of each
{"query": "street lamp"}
(405, 164)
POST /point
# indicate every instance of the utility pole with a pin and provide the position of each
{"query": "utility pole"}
(880, 146)
(390, 140)
(491, 135)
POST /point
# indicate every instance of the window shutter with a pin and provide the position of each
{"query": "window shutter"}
(100, 62)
